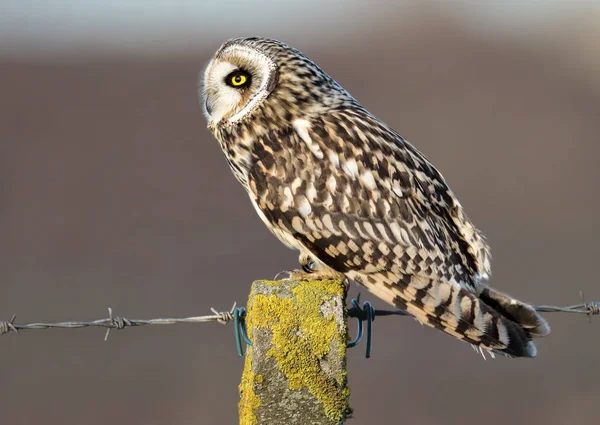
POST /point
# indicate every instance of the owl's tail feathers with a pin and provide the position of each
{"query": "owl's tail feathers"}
(493, 321)
(516, 311)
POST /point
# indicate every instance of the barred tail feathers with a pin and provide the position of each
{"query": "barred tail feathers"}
(516, 311)
(493, 321)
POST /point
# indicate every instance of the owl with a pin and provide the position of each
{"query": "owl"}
(356, 199)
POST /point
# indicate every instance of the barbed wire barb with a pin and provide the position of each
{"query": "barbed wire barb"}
(227, 315)
(591, 308)
(6, 327)
(116, 322)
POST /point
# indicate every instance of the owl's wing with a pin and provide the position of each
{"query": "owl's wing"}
(361, 198)
(366, 203)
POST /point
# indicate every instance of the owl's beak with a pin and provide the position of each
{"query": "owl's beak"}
(208, 107)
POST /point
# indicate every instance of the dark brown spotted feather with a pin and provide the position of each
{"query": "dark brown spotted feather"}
(347, 188)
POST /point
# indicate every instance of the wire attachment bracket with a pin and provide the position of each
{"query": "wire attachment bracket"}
(367, 313)
(239, 329)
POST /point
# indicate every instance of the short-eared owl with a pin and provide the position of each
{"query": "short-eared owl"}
(356, 199)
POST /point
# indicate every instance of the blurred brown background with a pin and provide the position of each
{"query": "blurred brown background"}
(113, 193)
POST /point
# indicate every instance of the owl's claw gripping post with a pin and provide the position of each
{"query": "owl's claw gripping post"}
(308, 264)
(303, 275)
(308, 268)
(300, 275)
(295, 275)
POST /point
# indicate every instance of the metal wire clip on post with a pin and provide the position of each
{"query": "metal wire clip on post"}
(367, 313)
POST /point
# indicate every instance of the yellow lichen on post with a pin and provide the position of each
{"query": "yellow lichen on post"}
(299, 333)
(249, 401)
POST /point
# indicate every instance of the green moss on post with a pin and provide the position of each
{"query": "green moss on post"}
(295, 371)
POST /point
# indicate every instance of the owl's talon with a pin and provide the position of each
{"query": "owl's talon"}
(309, 266)
(281, 273)
(300, 275)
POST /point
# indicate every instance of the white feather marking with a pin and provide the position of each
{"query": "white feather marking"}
(419, 283)
(296, 184)
(369, 228)
(385, 206)
(384, 233)
(465, 305)
(397, 189)
(405, 237)
(331, 183)
(297, 225)
(246, 141)
(345, 204)
(396, 231)
(328, 223)
(503, 333)
(311, 193)
(398, 251)
(351, 168)
(385, 250)
(360, 230)
(288, 199)
(370, 268)
(328, 202)
(335, 160)
(479, 320)
(302, 127)
(304, 209)
(412, 251)
(444, 293)
(368, 180)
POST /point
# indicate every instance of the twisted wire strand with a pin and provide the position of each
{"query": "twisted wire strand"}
(116, 322)
(590, 308)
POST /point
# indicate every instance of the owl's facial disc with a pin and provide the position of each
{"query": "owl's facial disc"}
(235, 82)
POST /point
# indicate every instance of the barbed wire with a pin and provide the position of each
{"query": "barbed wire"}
(590, 308)
(116, 322)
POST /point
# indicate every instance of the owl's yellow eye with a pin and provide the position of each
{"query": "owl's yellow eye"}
(238, 79)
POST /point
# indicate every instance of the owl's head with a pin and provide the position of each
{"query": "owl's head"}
(266, 79)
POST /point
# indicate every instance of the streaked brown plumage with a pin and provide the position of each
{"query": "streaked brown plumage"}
(354, 197)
